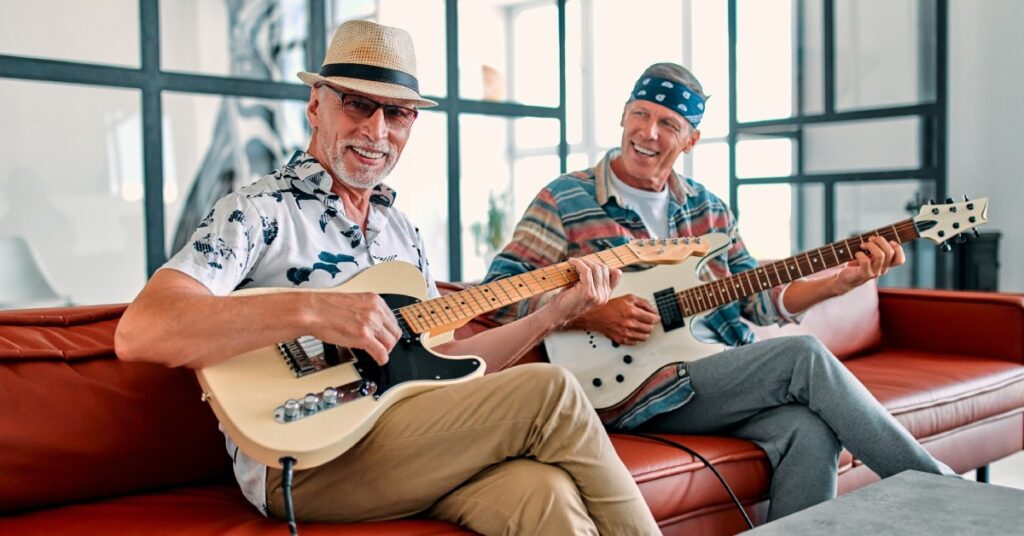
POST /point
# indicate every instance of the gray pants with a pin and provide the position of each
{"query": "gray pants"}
(796, 401)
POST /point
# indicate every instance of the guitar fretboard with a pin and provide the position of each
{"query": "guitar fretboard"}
(717, 293)
(454, 309)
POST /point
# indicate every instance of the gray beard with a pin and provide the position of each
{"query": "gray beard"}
(364, 181)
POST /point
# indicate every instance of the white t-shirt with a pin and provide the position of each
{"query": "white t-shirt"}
(288, 230)
(652, 207)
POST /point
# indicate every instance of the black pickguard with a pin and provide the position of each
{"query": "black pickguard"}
(409, 360)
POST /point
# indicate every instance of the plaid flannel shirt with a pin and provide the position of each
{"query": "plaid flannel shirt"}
(578, 214)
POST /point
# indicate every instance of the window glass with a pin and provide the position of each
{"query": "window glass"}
(78, 203)
(104, 32)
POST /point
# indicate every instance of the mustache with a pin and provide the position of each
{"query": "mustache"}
(379, 147)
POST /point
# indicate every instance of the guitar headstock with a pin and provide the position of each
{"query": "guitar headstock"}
(940, 222)
(668, 250)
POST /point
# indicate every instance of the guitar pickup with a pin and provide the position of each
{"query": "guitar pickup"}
(668, 309)
(307, 355)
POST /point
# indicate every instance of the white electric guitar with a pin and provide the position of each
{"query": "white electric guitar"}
(312, 401)
(610, 373)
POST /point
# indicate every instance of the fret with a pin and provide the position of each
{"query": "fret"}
(536, 282)
(605, 262)
(459, 303)
(712, 299)
(505, 284)
(743, 289)
(520, 284)
(700, 301)
(796, 262)
(474, 292)
(844, 250)
(446, 309)
(693, 301)
(751, 280)
(461, 296)
(896, 233)
(683, 304)
(411, 320)
(492, 291)
(775, 266)
(488, 295)
(723, 289)
(615, 252)
(810, 263)
(420, 315)
(767, 281)
(564, 273)
(834, 254)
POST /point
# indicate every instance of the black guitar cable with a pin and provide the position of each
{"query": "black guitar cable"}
(680, 446)
(287, 463)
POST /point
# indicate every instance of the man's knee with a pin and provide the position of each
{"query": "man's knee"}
(544, 377)
(810, 348)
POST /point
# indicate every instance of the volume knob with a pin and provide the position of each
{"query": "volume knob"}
(330, 396)
(310, 404)
(291, 410)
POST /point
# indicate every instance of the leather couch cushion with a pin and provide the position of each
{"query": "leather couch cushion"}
(212, 510)
(934, 393)
(676, 485)
(848, 325)
(79, 424)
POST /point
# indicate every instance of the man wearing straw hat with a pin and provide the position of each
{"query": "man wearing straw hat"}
(789, 395)
(518, 451)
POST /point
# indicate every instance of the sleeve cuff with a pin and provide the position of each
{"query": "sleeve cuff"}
(780, 304)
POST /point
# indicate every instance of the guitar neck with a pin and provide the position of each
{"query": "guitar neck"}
(456, 309)
(720, 292)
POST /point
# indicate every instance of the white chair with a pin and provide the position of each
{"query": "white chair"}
(23, 285)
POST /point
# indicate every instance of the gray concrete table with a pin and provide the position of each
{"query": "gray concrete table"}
(910, 503)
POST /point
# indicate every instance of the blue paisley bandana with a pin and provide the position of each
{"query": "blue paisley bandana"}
(672, 95)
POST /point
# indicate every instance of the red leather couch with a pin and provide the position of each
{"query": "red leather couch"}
(91, 445)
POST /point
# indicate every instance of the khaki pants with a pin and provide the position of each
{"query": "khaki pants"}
(516, 452)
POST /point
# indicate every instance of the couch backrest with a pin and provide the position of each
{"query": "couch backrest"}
(79, 424)
(848, 325)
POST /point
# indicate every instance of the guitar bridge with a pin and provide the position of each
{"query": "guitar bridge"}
(308, 354)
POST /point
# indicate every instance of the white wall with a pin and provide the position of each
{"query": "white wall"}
(986, 119)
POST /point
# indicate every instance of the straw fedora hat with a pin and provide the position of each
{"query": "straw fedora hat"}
(373, 59)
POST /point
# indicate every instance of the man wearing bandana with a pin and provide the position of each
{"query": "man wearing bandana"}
(789, 395)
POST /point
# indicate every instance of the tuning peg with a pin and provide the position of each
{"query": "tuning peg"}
(965, 198)
(976, 233)
(960, 239)
(931, 200)
(946, 247)
(949, 200)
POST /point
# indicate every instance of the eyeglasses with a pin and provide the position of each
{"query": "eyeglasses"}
(358, 106)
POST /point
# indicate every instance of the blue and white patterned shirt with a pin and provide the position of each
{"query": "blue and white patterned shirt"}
(288, 230)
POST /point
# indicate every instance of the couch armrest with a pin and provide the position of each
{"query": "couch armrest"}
(989, 324)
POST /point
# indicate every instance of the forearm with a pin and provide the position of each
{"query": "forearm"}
(501, 346)
(802, 294)
(178, 327)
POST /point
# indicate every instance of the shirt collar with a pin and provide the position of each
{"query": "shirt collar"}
(605, 190)
(308, 170)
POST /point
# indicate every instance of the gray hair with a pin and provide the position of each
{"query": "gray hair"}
(675, 73)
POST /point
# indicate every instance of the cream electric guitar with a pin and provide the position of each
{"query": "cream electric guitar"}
(610, 373)
(312, 401)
